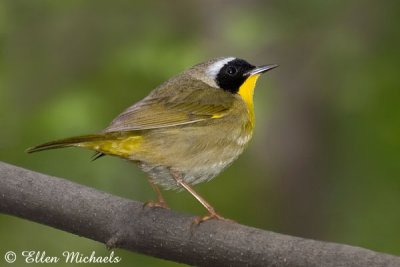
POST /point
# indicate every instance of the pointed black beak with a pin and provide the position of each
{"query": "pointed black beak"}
(261, 69)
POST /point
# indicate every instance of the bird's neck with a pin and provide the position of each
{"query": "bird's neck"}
(246, 91)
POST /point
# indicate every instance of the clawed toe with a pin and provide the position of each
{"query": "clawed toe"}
(155, 204)
(216, 216)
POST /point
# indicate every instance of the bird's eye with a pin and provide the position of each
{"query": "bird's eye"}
(231, 70)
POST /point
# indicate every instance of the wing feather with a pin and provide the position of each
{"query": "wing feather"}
(192, 104)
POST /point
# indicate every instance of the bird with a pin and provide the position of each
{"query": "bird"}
(184, 132)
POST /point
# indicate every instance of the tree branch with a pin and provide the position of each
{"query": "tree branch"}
(166, 234)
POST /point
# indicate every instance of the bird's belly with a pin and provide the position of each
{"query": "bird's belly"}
(197, 156)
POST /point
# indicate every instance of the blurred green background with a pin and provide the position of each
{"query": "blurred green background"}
(324, 162)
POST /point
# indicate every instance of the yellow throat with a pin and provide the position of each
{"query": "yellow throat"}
(246, 91)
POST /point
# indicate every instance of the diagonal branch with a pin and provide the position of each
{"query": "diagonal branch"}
(123, 223)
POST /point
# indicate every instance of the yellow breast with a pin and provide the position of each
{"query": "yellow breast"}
(246, 91)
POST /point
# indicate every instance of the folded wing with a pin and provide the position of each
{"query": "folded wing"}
(166, 110)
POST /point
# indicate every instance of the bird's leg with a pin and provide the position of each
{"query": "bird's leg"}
(160, 199)
(212, 214)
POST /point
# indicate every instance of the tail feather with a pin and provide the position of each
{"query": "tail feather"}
(97, 155)
(67, 142)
